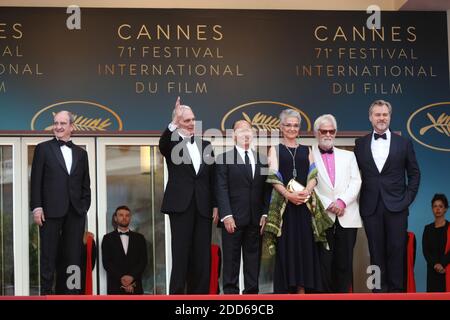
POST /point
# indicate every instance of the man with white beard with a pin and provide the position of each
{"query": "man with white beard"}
(338, 185)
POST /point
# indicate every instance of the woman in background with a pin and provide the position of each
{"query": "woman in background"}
(436, 247)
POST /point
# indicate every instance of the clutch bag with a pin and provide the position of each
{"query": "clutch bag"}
(294, 186)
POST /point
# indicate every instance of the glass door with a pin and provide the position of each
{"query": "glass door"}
(131, 172)
(10, 236)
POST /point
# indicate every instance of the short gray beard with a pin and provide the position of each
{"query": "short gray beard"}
(326, 144)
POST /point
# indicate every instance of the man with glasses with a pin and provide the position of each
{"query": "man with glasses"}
(338, 185)
(60, 199)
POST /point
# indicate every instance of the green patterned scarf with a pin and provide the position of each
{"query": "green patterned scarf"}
(320, 220)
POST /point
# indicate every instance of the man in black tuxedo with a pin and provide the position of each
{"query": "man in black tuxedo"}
(60, 199)
(385, 160)
(124, 256)
(189, 201)
(243, 199)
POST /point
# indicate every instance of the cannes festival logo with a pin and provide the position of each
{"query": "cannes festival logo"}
(430, 126)
(89, 116)
(263, 115)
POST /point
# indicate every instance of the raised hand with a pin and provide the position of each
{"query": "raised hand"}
(178, 112)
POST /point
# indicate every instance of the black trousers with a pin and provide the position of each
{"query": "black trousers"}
(65, 235)
(337, 263)
(191, 252)
(249, 240)
(386, 235)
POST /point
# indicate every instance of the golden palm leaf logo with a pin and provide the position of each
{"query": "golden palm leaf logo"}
(262, 121)
(430, 126)
(442, 124)
(264, 118)
(89, 116)
(83, 123)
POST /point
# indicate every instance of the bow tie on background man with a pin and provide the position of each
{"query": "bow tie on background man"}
(382, 136)
(190, 139)
(124, 233)
(65, 143)
(329, 151)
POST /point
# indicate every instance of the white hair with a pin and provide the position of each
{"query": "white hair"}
(69, 114)
(325, 118)
(183, 107)
(290, 113)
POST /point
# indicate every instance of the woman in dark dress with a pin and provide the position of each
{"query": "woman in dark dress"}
(434, 240)
(297, 265)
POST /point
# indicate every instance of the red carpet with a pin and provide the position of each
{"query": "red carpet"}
(354, 296)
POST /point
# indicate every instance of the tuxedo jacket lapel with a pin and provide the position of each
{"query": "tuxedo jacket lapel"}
(57, 151)
(76, 155)
(199, 143)
(258, 164)
(392, 149)
(119, 244)
(368, 151)
(321, 166)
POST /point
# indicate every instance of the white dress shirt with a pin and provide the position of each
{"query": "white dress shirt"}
(241, 152)
(194, 152)
(380, 149)
(67, 154)
(124, 239)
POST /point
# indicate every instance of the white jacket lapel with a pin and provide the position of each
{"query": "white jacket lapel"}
(321, 166)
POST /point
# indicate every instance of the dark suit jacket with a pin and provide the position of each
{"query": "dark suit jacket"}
(391, 185)
(246, 199)
(118, 264)
(52, 188)
(183, 182)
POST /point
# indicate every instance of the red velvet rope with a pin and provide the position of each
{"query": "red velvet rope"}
(411, 283)
(88, 289)
(447, 268)
(214, 278)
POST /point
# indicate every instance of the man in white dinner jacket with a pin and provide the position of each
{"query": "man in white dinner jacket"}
(338, 185)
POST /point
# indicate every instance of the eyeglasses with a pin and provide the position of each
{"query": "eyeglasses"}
(290, 125)
(324, 132)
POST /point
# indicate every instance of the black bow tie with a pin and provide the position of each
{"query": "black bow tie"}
(329, 151)
(124, 233)
(190, 139)
(382, 136)
(65, 143)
